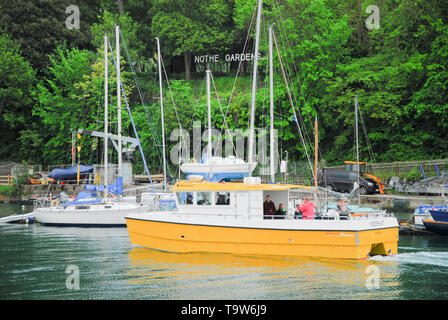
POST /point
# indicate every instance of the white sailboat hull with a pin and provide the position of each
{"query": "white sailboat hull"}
(96, 215)
(219, 170)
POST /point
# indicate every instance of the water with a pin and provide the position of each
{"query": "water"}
(35, 258)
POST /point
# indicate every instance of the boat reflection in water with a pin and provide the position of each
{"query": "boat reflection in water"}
(168, 275)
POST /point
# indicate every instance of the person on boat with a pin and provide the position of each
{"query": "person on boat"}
(343, 209)
(307, 209)
(298, 213)
(221, 200)
(189, 199)
(281, 212)
(268, 208)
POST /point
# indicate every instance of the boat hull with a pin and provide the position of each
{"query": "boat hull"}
(185, 237)
(439, 215)
(438, 227)
(83, 218)
(422, 213)
(226, 171)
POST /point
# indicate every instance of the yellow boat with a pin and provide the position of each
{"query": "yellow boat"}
(228, 218)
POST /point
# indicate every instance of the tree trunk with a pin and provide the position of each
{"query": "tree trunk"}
(120, 6)
(187, 60)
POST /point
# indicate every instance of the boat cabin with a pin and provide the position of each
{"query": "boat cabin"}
(243, 200)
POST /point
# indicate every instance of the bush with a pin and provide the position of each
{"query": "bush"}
(414, 175)
(6, 190)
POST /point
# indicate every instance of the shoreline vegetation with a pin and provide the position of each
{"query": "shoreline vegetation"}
(51, 76)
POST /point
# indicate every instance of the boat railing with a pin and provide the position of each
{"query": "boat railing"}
(42, 202)
(354, 216)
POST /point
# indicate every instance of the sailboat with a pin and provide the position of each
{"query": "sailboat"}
(229, 218)
(213, 168)
(88, 209)
(164, 199)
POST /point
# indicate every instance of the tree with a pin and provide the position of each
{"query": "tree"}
(17, 95)
(188, 27)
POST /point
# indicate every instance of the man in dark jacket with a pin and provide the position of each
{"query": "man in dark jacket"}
(268, 208)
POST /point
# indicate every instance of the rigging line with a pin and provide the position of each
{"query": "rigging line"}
(132, 121)
(174, 104)
(369, 146)
(154, 136)
(319, 153)
(288, 73)
(161, 62)
(224, 119)
(199, 145)
(292, 105)
(241, 62)
(295, 69)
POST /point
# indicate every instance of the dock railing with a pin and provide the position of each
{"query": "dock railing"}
(7, 180)
(419, 168)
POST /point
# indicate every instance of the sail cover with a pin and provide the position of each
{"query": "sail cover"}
(115, 188)
(84, 198)
(70, 173)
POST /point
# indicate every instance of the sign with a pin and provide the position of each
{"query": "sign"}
(227, 58)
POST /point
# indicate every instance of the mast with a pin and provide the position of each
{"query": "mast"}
(209, 146)
(159, 60)
(271, 105)
(117, 48)
(254, 86)
(105, 115)
(316, 132)
(357, 145)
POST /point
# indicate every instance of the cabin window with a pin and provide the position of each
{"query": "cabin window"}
(204, 198)
(222, 198)
(82, 207)
(185, 197)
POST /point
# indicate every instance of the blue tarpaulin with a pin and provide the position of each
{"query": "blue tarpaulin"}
(115, 188)
(70, 173)
(84, 195)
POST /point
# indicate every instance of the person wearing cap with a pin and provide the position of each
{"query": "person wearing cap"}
(268, 208)
(307, 209)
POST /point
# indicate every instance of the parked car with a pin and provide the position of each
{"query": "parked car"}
(344, 180)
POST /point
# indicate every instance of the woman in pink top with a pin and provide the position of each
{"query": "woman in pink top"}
(307, 209)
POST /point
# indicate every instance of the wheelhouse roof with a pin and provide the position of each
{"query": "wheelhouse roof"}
(185, 185)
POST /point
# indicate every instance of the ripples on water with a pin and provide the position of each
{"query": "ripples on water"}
(34, 259)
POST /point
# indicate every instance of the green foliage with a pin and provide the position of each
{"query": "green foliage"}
(52, 77)
(6, 190)
(414, 175)
(17, 95)
(38, 26)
